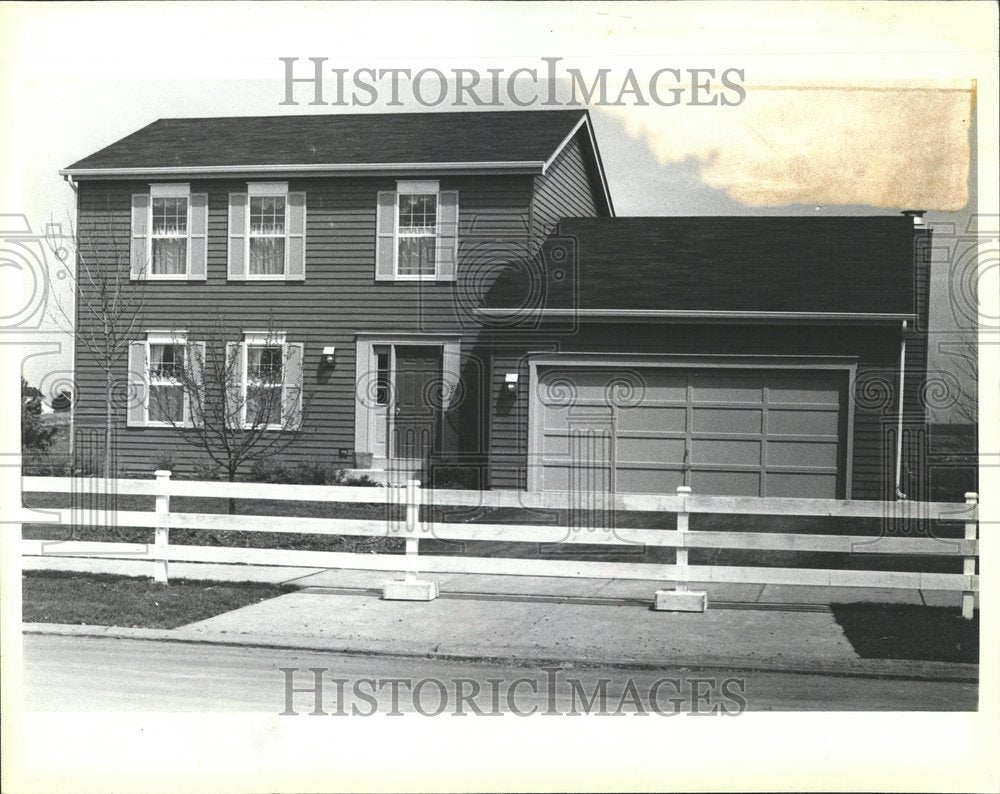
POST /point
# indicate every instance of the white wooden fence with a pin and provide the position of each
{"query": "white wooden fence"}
(413, 527)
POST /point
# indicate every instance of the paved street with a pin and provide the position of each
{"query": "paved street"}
(85, 673)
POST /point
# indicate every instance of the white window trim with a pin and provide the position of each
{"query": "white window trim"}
(261, 339)
(411, 187)
(169, 190)
(274, 190)
(166, 338)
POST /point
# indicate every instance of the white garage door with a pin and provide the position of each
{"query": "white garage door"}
(721, 431)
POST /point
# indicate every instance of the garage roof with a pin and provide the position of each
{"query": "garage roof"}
(702, 266)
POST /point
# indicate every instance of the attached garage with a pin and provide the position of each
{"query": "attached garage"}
(728, 427)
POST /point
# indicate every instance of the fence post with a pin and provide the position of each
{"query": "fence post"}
(162, 532)
(412, 529)
(680, 599)
(410, 588)
(969, 565)
(682, 527)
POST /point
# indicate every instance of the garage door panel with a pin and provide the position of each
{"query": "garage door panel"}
(799, 422)
(575, 417)
(802, 453)
(648, 450)
(822, 388)
(726, 420)
(661, 481)
(647, 417)
(727, 387)
(576, 478)
(725, 483)
(816, 485)
(746, 453)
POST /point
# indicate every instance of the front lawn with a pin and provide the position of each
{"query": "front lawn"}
(909, 631)
(133, 602)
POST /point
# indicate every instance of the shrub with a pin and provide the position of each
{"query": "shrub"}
(34, 435)
(313, 472)
(167, 461)
(40, 463)
(269, 470)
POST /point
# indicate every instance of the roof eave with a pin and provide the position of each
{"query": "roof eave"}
(311, 169)
(686, 315)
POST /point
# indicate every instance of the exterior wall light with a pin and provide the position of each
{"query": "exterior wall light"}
(329, 355)
(510, 381)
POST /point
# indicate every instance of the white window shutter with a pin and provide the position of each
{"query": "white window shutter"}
(234, 384)
(385, 236)
(136, 400)
(198, 238)
(139, 264)
(295, 269)
(237, 236)
(196, 368)
(447, 235)
(291, 403)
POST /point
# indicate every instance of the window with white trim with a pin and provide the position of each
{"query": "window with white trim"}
(169, 207)
(167, 403)
(416, 229)
(266, 232)
(263, 382)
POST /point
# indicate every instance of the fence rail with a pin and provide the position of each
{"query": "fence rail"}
(412, 527)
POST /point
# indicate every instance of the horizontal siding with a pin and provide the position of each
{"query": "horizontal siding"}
(565, 190)
(876, 349)
(338, 299)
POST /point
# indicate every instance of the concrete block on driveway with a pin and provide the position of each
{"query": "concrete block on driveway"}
(410, 590)
(680, 601)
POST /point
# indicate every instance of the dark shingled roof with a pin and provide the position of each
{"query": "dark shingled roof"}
(355, 139)
(754, 264)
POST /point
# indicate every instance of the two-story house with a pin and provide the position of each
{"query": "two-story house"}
(456, 287)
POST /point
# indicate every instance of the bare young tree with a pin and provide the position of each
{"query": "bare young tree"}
(109, 303)
(238, 402)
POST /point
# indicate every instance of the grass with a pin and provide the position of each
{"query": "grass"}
(909, 631)
(132, 602)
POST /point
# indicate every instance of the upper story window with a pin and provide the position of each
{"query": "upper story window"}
(169, 233)
(267, 233)
(417, 232)
(416, 229)
(168, 236)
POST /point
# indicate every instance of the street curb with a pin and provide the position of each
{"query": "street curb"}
(525, 656)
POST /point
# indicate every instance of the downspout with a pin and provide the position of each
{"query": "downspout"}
(899, 415)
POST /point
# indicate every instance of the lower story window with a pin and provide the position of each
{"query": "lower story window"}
(264, 385)
(166, 390)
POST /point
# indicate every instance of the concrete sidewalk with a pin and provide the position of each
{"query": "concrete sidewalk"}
(605, 589)
(526, 620)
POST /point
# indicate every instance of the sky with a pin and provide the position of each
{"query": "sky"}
(838, 120)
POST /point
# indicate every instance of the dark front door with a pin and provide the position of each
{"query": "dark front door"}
(416, 413)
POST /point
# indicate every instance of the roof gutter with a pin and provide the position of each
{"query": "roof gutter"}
(516, 313)
(311, 169)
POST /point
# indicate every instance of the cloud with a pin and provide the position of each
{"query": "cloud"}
(887, 147)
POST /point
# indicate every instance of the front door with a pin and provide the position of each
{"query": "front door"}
(416, 406)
